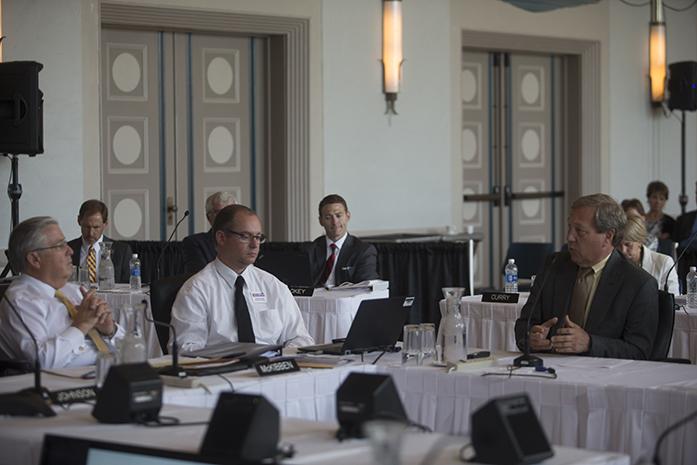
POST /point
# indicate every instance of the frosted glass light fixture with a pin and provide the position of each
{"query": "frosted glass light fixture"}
(657, 52)
(391, 51)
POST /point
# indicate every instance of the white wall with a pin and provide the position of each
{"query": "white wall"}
(394, 172)
(645, 144)
(398, 174)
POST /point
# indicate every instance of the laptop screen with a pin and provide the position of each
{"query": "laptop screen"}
(62, 450)
(292, 267)
(378, 324)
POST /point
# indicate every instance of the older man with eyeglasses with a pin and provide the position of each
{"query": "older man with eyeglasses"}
(69, 324)
(230, 300)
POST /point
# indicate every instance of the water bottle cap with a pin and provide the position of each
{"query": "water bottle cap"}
(511, 261)
(135, 255)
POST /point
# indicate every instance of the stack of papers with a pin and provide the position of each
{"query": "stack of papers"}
(370, 285)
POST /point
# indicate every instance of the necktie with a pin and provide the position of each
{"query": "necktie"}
(245, 332)
(328, 265)
(92, 264)
(579, 298)
(92, 333)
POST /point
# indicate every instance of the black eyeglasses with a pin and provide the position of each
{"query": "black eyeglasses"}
(247, 237)
(60, 245)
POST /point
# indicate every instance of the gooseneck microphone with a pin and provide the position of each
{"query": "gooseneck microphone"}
(175, 369)
(169, 240)
(687, 247)
(527, 360)
(36, 398)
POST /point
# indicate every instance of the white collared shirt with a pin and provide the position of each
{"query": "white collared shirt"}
(203, 312)
(331, 280)
(84, 250)
(60, 343)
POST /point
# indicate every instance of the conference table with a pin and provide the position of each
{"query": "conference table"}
(21, 440)
(328, 314)
(491, 326)
(594, 403)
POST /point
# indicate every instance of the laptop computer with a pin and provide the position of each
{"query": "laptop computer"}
(61, 450)
(292, 267)
(377, 326)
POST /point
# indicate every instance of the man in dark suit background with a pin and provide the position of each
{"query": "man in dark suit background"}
(339, 257)
(685, 226)
(93, 219)
(602, 304)
(199, 249)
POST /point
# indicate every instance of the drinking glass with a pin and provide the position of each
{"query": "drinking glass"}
(428, 342)
(84, 278)
(104, 362)
(385, 437)
(412, 344)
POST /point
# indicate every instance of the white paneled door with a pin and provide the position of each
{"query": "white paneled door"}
(512, 167)
(181, 118)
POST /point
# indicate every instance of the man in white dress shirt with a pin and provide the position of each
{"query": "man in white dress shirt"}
(230, 300)
(70, 325)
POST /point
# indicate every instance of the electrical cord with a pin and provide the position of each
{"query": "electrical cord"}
(551, 373)
(680, 9)
(232, 386)
(378, 357)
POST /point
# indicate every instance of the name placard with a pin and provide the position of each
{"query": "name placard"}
(276, 367)
(301, 291)
(74, 395)
(500, 297)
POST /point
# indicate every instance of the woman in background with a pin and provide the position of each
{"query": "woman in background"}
(633, 207)
(658, 224)
(656, 264)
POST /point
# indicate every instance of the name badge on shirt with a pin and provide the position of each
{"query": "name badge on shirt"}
(259, 297)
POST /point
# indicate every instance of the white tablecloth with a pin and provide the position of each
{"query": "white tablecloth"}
(21, 440)
(599, 404)
(328, 314)
(123, 295)
(491, 326)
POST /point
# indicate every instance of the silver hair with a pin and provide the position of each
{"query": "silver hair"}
(608, 216)
(226, 198)
(27, 236)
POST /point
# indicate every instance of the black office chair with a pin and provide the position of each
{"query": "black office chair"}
(667, 247)
(664, 331)
(162, 295)
(530, 258)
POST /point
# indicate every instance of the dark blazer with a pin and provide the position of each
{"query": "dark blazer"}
(120, 255)
(199, 251)
(357, 260)
(683, 227)
(623, 315)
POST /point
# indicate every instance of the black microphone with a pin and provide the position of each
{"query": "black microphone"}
(175, 369)
(38, 396)
(687, 247)
(527, 360)
(162, 254)
(656, 459)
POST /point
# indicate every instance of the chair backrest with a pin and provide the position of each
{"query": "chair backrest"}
(667, 247)
(529, 257)
(664, 332)
(162, 295)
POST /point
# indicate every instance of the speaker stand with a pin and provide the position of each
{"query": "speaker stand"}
(683, 197)
(14, 192)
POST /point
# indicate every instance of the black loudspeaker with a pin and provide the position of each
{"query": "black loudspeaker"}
(132, 393)
(21, 108)
(363, 397)
(244, 427)
(506, 431)
(682, 86)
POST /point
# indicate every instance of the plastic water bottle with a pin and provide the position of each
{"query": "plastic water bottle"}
(134, 266)
(132, 347)
(105, 273)
(511, 274)
(692, 288)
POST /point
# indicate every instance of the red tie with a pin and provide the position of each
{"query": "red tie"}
(329, 265)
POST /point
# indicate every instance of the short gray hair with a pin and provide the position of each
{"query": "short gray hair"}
(27, 236)
(609, 216)
(227, 198)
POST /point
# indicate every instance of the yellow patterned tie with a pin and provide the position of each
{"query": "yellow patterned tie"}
(92, 333)
(92, 264)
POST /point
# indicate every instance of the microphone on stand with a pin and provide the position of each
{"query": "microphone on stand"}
(175, 369)
(31, 401)
(687, 247)
(162, 253)
(527, 360)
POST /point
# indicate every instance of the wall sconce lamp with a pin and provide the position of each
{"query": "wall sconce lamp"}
(657, 53)
(391, 51)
